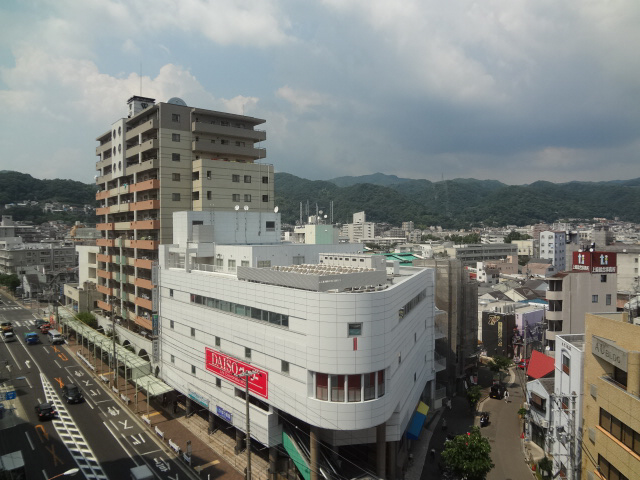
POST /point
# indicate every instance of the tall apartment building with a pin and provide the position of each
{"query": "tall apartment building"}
(553, 246)
(589, 287)
(359, 230)
(611, 401)
(163, 158)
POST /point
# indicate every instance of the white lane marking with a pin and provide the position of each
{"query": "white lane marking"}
(56, 362)
(29, 439)
(14, 359)
(119, 442)
(30, 386)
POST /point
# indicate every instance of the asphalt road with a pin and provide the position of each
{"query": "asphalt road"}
(98, 436)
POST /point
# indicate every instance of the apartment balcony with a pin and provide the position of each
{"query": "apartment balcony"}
(120, 207)
(142, 128)
(104, 305)
(104, 178)
(146, 205)
(102, 195)
(143, 263)
(217, 149)
(152, 184)
(145, 244)
(144, 283)
(146, 225)
(554, 295)
(100, 257)
(105, 242)
(553, 316)
(144, 322)
(143, 302)
(103, 210)
(440, 362)
(148, 164)
(122, 242)
(105, 274)
(123, 226)
(142, 147)
(103, 148)
(105, 290)
(105, 226)
(229, 131)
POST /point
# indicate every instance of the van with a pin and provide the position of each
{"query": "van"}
(8, 337)
(55, 337)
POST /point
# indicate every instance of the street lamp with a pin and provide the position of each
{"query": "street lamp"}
(68, 473)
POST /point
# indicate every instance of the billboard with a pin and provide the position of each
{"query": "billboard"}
(229, 368)
(497, 333)
(595, 262)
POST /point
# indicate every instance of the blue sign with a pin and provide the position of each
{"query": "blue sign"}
(11, 395)
(222, 413)
(199, 399)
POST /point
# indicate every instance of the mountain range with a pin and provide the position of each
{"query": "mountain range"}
(457, 203)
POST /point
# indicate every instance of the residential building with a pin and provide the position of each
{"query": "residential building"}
(163, 158)
(611, 408)
(19, 258)
(360, 230)
(540, 402)
(525, 247)
(469, 254)
(553, 247)
(589, 287)
(341, 346)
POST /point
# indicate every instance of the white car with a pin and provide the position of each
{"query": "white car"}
(8, 337)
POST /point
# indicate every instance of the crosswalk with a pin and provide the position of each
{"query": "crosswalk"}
(7, 307)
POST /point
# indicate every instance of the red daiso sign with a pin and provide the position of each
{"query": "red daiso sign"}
(228, 367)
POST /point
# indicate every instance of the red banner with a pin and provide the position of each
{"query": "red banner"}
(228, 367)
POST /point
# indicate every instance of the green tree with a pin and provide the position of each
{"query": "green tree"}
(88, 319)
(545, 465)
(468, 455)
(513, 235)
(10, 281)
(473, 395)
(498, 364)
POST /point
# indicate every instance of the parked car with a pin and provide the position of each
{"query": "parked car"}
(31, 338)
(71, 393)
(6, 326)
(497, 391)
(523, 364)
(39, 322)
(45, 411)
(45, 328)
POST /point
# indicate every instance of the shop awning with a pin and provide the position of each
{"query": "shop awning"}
(417, 421)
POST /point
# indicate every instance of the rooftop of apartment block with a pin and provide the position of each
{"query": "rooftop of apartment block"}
(576, 340)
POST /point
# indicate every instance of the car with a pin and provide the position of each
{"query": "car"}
(31, 338)
(497, 391)
(6, 326)
(45, 328)
(39, 322)
(71, 393)
(45, 411)
(523, 364)
(8, 337)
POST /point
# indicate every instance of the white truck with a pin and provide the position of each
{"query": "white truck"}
(142, 472)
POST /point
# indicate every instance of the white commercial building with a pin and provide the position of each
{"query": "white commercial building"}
(553, 246)
(340, 344)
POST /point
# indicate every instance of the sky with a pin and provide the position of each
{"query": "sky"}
(515, 91)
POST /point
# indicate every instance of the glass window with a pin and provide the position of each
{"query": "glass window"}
(193, 369)
(266, 180)
(265, 198)
(337, 388)
(627, 436)
(284, 366)
(175, 117)
(608, 299)
(566, 364)
(193, 332)
(218, 383)
(594, 298)
(175, 197)
(235, 178)
(171, 324)
(616, 428)
(208, 194)
(355, 388)
(322, 386)
(620, 376)
(231, 264)
(247, 179)
(171, 292)
(175, 137)
(173, 359)
(247, 197)
(175, 157)
(355, 329)
(370, 386)
(235, 197)
(605, 420)
(247, 353)
(603, 278)
(380, 383)
(217, 341)
(175, 177)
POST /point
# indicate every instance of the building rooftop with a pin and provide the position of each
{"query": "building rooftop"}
(577, 340)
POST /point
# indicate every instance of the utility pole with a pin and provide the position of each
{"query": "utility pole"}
(246, 376)
(114, 361)
(572, 439)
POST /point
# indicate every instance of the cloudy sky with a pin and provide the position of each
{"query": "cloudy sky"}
(516, 91)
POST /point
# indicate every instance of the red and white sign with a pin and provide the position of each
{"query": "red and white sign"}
(595, 262)
(228, 367)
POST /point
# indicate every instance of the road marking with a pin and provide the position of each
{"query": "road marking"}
(28, 382)
(55, 457)
(199, 468)
(59, 380)
(29, 439)
(56, 362)
(119, 442)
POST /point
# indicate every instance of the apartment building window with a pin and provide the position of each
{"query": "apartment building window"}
(594, 298)
(175, 117)
(193, 369)
(608, 471)
(175, 137)
(608, 299)
(171, 324)
(247, 197)
(264, 263)
(284, 367)
(218, 383)
(247, 179)
(217, 341)
(244, 263)
(224, 142)
(208, 174)
(235, 178)
(231, 265)
(175, 197)
(208, 194)
(175, 177)
(171, 292)
(247, 353)
(603, 278)
(224, 123)
(355, 329)
(195, 195)
(566, 364)
(265, 198)
(266, 181)
(173, 359)
(620, 377)
(235, 197)
(239, 144)
(193, 332)
(175, 157)
(270, 226)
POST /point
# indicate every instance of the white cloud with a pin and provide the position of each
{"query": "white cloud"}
(302, 100)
